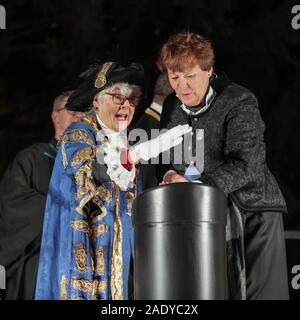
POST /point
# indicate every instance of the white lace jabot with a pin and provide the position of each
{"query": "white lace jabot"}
(117, 143)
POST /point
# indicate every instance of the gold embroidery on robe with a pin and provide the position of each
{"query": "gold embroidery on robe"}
(85, 187)
(63, 288)
(99, 231)
(81, 225)
(92, 255)
(95, 231)
(64, 156)
(92, 122)
(77, 298)
(100, 263)
(87, 191)
(85, 154)
(78, 136)
(82, 203)
(117, 256)
(92, 287)
(80, 256)
(104, 194)
(84, 180)
(82, 285)
(102, 208)
(99, 286)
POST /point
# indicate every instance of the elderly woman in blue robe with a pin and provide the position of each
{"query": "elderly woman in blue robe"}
(87, 239)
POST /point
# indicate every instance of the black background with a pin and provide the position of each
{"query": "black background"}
(47, 44)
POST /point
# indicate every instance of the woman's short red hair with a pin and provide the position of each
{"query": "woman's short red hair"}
(183, 50)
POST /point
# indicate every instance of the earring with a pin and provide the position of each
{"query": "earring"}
(93, 107)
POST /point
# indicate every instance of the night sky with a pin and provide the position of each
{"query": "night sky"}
(47, 44)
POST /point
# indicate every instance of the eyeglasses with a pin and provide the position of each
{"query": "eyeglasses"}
(70, 112)
(120, 99)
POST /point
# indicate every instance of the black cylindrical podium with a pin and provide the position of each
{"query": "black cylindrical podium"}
(179, 236)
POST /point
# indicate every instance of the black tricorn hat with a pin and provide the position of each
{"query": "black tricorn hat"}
(101, 76)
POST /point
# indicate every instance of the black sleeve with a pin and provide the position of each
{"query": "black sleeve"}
(21, 209)
(244, 148)
(100, 173)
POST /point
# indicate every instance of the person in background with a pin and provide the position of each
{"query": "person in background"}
(61, 117)
(234, 160)
(150, 119)
(23, 191)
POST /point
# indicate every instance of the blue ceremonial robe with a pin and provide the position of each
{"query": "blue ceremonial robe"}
(87, 239)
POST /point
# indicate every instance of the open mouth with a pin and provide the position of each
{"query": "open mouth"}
(121, 116)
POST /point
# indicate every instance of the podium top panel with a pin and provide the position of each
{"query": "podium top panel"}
(180, 203)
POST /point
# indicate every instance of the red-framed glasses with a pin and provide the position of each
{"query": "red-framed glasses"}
(120, 99)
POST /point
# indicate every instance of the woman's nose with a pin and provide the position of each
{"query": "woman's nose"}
(126, 104)
(182, 83)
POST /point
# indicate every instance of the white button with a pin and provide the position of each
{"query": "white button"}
(189, 148)
(196, 119)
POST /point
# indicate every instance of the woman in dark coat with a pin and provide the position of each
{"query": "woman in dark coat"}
(226, 118)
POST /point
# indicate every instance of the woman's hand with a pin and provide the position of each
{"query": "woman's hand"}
(173, 177)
